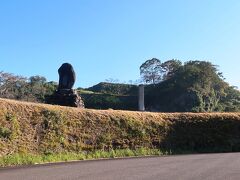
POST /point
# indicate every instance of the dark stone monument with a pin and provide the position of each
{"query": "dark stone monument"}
(65, 95)
(67, 76)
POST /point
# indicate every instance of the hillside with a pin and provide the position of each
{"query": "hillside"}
(114, 88)
(110, 96)
(46, 129)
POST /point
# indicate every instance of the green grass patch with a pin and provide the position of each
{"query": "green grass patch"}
(30, 159)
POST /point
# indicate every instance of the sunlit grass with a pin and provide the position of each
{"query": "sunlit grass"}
(30, 159)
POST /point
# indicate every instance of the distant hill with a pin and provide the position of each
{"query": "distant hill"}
(110, 96)
(114, 88)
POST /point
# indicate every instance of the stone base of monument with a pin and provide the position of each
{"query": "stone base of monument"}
(66, 97)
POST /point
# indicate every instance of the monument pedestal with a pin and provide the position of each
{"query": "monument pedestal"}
(66, 97)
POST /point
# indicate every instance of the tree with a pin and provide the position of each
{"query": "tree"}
(34, 89)
(151, 71)
(203, 78)
(37, 79)
(38, 87)
(231, 101)
(170, 68)
(196, 86)
(11, 86)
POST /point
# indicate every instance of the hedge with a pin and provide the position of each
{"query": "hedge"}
(46, 129)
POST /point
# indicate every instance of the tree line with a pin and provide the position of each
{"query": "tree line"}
(34, 89)
(170, 86)
(194, 86)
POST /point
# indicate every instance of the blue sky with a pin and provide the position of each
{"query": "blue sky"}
(112, 38)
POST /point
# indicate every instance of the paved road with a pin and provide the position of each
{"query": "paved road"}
(184, 167)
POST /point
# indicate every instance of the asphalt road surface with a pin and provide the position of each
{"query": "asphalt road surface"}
(183, 167)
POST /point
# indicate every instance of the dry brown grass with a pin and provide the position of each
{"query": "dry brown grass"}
(39, 128)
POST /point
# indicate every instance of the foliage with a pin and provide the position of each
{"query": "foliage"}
(5, 132)
(231, 101)
(109, 101)
(32, 89)
(39, 87)
(170, 67)
(11, 86)
(110, 96)
(151, 71)
(196, 86)
(204, 133)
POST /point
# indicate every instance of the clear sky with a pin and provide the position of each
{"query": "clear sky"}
(111, 38)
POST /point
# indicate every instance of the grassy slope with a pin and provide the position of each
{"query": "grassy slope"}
(114, 88)
(29, 128)
(110, 95)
